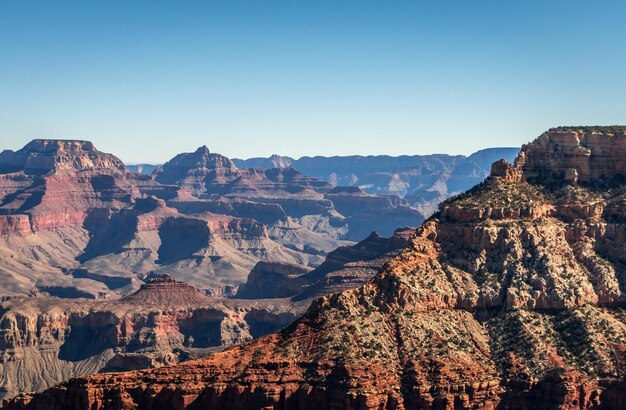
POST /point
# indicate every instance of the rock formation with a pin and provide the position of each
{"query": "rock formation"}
(37, 365)
(75, 223)
(510, 297)
(576, 156)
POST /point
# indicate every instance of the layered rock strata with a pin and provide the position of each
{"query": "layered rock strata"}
(45, 341)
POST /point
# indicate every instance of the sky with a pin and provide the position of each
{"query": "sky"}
(146, 80)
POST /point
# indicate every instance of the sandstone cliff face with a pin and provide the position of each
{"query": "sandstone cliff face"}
(571, 156)
(510, 297)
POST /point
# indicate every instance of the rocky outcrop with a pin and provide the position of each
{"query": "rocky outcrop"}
(163, 290)
(586, 155)
(519, 311)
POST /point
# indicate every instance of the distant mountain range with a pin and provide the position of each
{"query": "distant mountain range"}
(423, 180)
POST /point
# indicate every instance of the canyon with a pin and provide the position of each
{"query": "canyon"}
(105, 269)
(75, 223)
(510, 296)
(45, 341)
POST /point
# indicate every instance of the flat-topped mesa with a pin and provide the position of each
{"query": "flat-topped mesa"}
(576, 155)
(200, 162)
(42, 156)
(164, 290)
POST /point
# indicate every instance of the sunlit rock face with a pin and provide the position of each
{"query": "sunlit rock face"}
(570, 155)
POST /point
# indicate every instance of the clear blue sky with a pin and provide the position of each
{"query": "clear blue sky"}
(148, 79)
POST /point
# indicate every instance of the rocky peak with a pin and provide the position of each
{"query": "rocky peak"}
(42, 156)
(576, 155)
(202, 158)
(164, 290)
(279, 161)
(200, 162)
(203, 150)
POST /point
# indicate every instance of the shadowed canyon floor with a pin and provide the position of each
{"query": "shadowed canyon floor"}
(511, 296)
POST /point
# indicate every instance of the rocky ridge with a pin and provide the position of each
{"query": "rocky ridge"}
(423, 180)
(511, 296)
